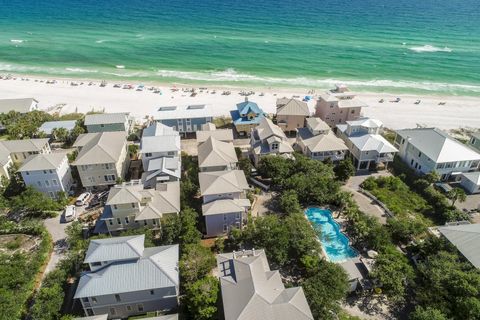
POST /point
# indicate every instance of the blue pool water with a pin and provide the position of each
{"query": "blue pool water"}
(334, 242)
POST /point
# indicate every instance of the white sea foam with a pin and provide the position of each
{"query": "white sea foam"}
(120, 67)
(100, 41)
(430, 48)
(80, 70)
(17, 41)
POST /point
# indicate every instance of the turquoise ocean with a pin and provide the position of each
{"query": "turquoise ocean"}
(403, 46)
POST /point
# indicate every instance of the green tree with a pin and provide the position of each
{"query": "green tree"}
(427, 314)
(196, 262)
(276, 168)
(49, 301)
(33, 202)
(456, 194)
(289, 202)
(60, 134)
(246, 165)
(189, 233)
(133, 150)
(344, 170)
(325, 289)
(171, 228)
(201, 298)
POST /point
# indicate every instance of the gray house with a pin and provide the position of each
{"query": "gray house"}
(225, 204)
(127, 279)
(103, 122)
(215, 155)
(184, 119)
(251, 291)
(22, 105)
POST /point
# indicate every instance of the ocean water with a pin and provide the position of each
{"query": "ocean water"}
(428, 46)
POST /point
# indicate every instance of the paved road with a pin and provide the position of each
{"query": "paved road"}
(364, 203)
(56, 227)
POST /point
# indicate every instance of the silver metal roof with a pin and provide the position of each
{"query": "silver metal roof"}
(105, 118)
(219, 182)
(47, 161)
(292, 107)
(22, 105)
(101, 147)
(112, 249)
(466, 238)
(153, 144)
(27, 145)
(214, 153)
(47, 127)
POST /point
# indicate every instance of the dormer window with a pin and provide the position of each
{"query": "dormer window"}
(274, 146)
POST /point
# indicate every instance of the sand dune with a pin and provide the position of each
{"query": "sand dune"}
(457, 112)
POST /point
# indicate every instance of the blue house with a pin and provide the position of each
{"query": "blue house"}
(247, 116)
(184, 119)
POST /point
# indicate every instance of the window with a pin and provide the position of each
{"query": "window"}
(55, 182)
(237, 215)
(39, 183)
(154, 222)
(85, 300)
(47, 183)
(89, 312)
(144, 222)
(119, 221)
(274, 146)
(225, 228)
(171, 153)
(127, 220)
(115, 207)
(112, 311)
(50, 171)
(94, 300)
(44, 171)
(352, 112)
(117, 298)
(110, 221)
(148, 154)
(152, 292)
(129, 308)
(140, 307)
(133, 205)
(224, 217)
(419, 154)
(51, 194)
(102, 125)
(27, 173)
(411, 162)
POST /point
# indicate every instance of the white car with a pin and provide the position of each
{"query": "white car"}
(70, 213)
(82, 199)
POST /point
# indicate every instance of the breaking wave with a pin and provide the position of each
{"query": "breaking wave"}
(430, 48)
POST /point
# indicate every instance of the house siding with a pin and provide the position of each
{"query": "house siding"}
(333, 115)
(94, 128)
(290, 122)
(182, 126)
(219, 224)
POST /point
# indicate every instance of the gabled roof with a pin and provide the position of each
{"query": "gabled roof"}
(251, 291)
(22, 105)
(156, 268)
(247, 107)
(27, 145)
(162, 166)
(47, 127)
(366, 123)
(266, 129)
(213, 153)
(223, 206)
(4, 155)
(473, 177)
(98, 317)
(151, 144)
(317, 124)
(292, 107)
(466, 238)
(101, 147)
(48, 161)
(158, 129)
(438, 145)
(321, 142)
(372, 142)
(105, 118)
(219, 134)
(182, 112)
(113, 249)
(219, 182)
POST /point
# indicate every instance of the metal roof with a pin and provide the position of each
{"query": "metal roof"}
(317, 124)
(372, 142)
(320, 142)
(113, 249)
(267, 128)
(105, 118)
(219, 182)
(466, 238)
(101, 147)
(250, 291)
(47, 127)
(156, 268)
(214, 153)
(247, 107)
(151, 144)
(22, 105)
(27, 145)
(292, 107)
(158, 129)
(473, 177)
(438, 145)
(219, 134)
(48, 161)
(182, 112)
(223, 206)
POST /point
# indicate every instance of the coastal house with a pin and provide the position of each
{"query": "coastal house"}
(268, 139)
(126, 279)
(184, 119)
(225, 204)
(48, 173)
(338, 106)
(291, 114)
(22, 105)
(17, 151)
(105, 317)
(251, 291)
(210, 130)
(470, 181)
(465, 237)
(247, 116)
(159, 141)
(368, 148)
(318, 142)
(102, 158)
(130, 205)
(161, 170)
(475, 140)
(215, 155)
(431, 149)
(108, 122)
(49, 126)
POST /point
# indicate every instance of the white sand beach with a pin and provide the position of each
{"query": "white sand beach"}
(62, 96)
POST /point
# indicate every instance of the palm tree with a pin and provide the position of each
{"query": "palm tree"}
(456, 194)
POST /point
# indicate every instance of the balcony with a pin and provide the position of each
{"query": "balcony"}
(385, 157)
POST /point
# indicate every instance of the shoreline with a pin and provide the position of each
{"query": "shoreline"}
(458, 111)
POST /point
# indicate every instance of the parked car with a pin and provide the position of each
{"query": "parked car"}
(82, 199)
(70, 213)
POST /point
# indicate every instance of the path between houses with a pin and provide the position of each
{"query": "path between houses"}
(56, 227)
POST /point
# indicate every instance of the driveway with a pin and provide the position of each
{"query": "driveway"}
(56, 227)
(364, 203)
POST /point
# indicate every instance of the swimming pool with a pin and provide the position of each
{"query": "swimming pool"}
(334, 242)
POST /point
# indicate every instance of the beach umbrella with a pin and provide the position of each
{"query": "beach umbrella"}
(372, 254)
